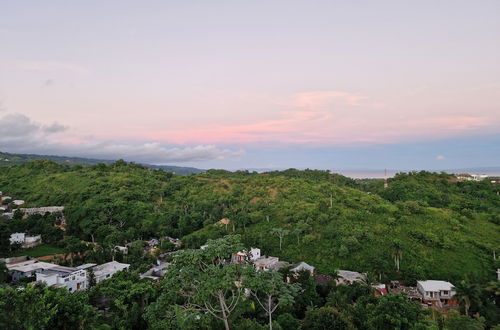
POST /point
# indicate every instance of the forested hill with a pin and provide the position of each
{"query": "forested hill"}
(8, 159)
(442, 229)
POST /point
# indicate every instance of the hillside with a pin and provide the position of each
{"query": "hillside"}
(443, 229)
(8, 159)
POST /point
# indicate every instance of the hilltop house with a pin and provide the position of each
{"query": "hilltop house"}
(26, 241)
(73, 279)
(18, 202)
(438, 293)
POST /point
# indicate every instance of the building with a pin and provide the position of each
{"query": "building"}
(348, 277)
(412, 292)
(278, 265)
(122, 249)
(303, 266)
(264, 263)
(5, 199)
(26, 241)
(42, 210)
(254, 254)
(245, 256)
(108, 269)
(438, 293)
(239, 258)
(27, 268)
(18, 202)
(71, 278)
(156, 272)
(380, 290)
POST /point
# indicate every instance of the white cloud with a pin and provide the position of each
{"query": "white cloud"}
(19, 134)
(440, 157)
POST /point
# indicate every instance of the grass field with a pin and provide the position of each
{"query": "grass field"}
(39, 251)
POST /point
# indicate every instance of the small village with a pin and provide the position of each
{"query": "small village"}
(435, 294)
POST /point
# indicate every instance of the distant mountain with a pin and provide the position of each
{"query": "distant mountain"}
(8, 159)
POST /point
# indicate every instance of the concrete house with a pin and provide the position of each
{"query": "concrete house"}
(18, 202)
(73, 279)
(26, 241)
(265, 263)
(348, 277)
(27, 268)
(42, 210)
(245, 256)
(107, 270)
(438, 293)
(303, 266)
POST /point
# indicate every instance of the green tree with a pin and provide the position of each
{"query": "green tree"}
(467, 294)
(270, 291)
(281, 233)
(124, 297)
(326, 318)
(394, 311)
(455, 321)
(201, 280)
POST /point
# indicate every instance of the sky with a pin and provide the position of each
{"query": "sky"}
(254, 84)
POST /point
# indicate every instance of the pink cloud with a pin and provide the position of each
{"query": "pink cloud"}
(330, 118)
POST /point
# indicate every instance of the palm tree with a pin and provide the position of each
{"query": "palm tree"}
(281, 233)
(397, 254)
(467, 294)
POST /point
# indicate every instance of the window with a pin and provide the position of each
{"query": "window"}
(445, 293)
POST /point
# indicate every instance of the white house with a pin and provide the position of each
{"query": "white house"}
(27, 268)
(108, 269)
(254, 254)
(245, 256)
(26, 241)
(122, 249)
(18, 202)
(439, 293)
(73, 279)
(5, 198)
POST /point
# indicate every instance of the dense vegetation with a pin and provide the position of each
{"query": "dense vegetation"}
(201, 291)
(424, 226)
(440, 228)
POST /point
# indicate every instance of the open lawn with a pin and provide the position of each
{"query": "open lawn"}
(39, 251)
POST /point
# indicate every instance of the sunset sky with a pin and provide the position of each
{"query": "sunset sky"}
(254, 84)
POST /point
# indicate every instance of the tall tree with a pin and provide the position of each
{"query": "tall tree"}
(281, 233)
(270, 291)
(203, 281)
(467, 294)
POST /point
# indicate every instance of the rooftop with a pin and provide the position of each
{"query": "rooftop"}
(30, 265)
(435, 286)
(109, 267)
(348, 274)
(302, 265)
(86, 266)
